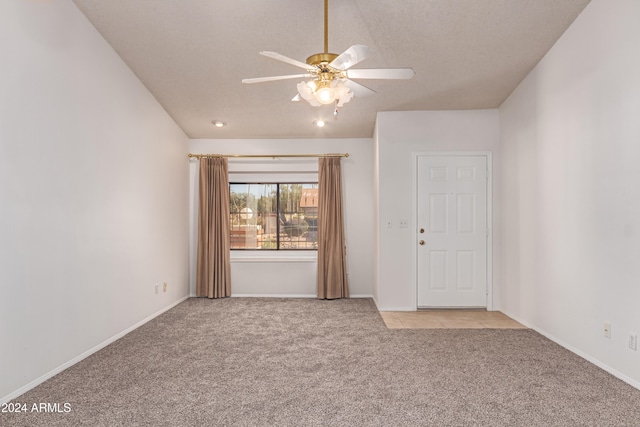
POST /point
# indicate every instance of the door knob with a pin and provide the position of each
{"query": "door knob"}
(421, 242)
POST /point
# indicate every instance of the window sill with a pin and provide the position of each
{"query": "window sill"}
(274, 257)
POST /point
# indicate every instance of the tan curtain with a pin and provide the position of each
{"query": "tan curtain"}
(213, 278)
(332, 254)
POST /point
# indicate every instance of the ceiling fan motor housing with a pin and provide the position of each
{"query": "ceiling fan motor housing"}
(320, 58)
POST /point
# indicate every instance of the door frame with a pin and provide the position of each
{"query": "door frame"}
(414, 220)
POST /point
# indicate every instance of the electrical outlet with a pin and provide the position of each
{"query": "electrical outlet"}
(404, 223)
(607, 329)
(633, 341)
(164, 287)
(157, 287)
(389, 223)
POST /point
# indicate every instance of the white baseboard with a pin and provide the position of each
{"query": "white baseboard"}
(56, 371)
(395, 308)
(291, 296)
(383, 308)
(273, 295)
(580, 353)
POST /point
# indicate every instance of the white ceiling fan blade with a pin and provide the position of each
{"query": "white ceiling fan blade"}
(350, 57)
(381, 73)
(273, 78)
(279, 57)
(359, 90)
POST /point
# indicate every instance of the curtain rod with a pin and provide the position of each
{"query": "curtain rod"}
(274, 156)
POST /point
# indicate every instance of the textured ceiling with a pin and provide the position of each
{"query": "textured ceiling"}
(192, 55)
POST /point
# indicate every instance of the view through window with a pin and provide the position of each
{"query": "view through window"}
(274, 216)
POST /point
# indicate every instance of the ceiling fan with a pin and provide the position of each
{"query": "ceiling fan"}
(331, 75)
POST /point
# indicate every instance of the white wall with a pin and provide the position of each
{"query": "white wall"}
(376, 215)
(290, 273)
(398, 135)
(571, 189)
(93, 194)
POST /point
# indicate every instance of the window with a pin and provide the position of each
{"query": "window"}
(274, 216)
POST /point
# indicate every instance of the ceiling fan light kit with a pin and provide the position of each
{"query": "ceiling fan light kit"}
(331, 80)
(325, 92)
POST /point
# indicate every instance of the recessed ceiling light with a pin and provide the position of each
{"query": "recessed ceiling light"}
(319, 123)
(218, 123)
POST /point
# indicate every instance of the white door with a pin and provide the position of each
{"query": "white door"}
(451, 238)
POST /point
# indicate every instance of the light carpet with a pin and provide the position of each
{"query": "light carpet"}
(306, 362)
